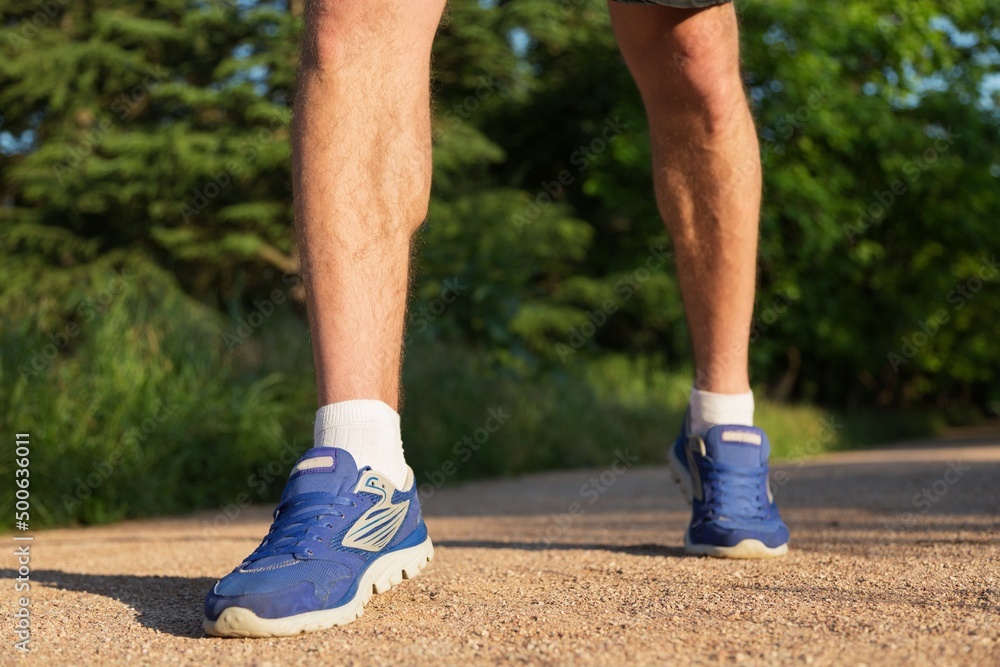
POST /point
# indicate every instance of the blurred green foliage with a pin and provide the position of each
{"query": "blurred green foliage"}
(151, 140)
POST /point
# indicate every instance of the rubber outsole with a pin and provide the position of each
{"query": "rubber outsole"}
(385, 573)
(744, 550)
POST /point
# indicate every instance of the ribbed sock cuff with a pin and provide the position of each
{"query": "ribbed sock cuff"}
(369, 431)
(708, 409)
(360, 411)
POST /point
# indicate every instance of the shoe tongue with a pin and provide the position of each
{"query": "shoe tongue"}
(322, 469)
(319, 469)
(737, 445)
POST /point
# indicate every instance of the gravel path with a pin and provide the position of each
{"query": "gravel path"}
(877, 575)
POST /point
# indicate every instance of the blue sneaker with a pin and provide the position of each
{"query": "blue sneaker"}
(724, 477)
(339, 535)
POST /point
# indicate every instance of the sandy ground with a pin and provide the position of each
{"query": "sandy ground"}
(878, 575)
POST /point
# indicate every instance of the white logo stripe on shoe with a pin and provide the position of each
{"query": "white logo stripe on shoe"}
(376, 527)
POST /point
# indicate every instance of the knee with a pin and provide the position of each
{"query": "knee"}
(692, 69)
(366, 33)
(333, 31)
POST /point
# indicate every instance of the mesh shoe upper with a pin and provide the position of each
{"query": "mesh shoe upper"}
(332, 522)
(732, 498)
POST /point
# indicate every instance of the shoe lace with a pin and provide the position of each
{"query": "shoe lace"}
(300, 522)
(736, 492)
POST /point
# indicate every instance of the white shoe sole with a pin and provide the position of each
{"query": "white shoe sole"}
(745, 549)
(383, 574)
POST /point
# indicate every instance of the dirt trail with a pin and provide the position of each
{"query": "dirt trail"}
(877, 575)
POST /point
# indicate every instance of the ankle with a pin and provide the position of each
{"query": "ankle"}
(369, 431)
(709, 409)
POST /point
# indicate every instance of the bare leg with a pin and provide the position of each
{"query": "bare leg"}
(361, 175)
(706, 168)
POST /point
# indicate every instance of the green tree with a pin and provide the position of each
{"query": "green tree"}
(160, 130)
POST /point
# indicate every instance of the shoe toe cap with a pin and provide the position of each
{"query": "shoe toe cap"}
(279, 592)
(728, 533)
(296, 599)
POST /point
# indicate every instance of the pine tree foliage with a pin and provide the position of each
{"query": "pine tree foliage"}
(158, 132)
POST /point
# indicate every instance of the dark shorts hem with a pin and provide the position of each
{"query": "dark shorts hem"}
(679, 4)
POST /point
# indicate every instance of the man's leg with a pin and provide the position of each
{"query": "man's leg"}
(706, 167)
(361, 176)
(349, 520)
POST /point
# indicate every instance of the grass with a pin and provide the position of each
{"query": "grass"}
(146, 410)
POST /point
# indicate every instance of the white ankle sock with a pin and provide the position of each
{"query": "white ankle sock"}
(707, 410)
(369, 431)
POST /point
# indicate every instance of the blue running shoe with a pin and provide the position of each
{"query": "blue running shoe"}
(339, 535)
(724, 476)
